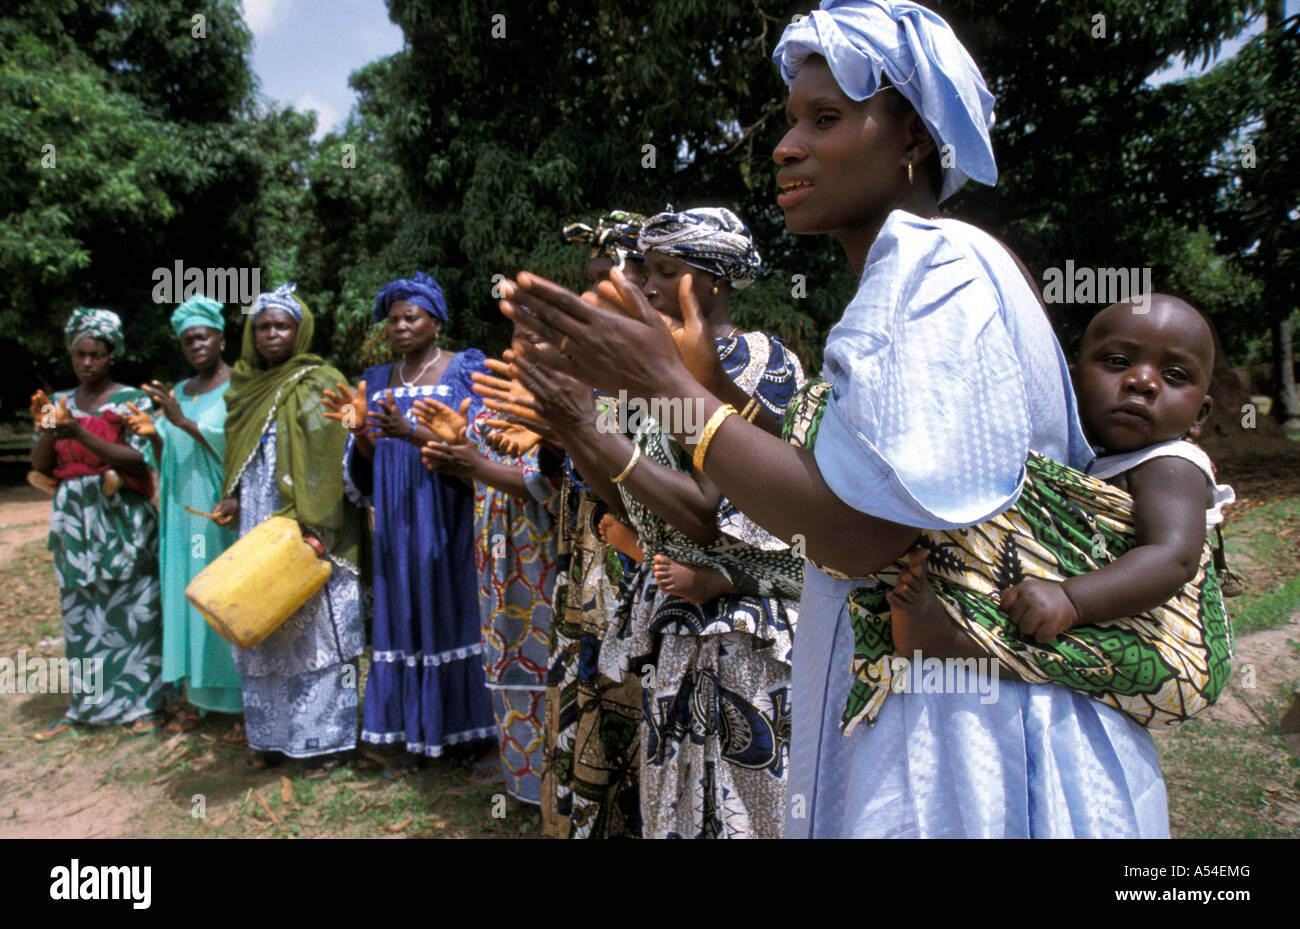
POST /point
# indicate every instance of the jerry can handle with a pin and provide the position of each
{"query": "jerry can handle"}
(314, 543)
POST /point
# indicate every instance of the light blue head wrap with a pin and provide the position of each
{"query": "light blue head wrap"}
(922, 58)
(282, 299)
(198, 310)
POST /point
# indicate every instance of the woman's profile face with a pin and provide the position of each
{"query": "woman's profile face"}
(840, 160)
(663, 275)
(90, 359)
(410, 328)
(274, 334)
(201, 346)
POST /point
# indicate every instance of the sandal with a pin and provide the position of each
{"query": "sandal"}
(145, 724)
(55, 729)
(321, 771)
(185, 721)
(236, 734)
(397, 768)
(258, 761)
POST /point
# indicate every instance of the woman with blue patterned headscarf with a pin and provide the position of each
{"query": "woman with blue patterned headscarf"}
(426, 691)
(189, 438)
(103, 534)
(940, 379)
(710, 608)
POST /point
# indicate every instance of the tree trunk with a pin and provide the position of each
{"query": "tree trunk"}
(1288, 409)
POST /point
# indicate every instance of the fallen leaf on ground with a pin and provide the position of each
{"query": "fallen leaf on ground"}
(269, 812)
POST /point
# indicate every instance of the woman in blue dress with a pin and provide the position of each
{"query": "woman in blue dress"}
(426, 688)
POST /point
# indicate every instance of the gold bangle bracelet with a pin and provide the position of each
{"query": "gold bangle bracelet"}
(751, 410)
(636, 456)
(706, 437)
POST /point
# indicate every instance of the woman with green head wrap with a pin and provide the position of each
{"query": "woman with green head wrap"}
(103, 535)
(188, 440)
(282, 459)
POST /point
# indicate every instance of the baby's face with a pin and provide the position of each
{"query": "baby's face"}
(1142, 377)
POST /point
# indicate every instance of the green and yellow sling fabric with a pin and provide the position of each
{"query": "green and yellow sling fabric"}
(1161, 667)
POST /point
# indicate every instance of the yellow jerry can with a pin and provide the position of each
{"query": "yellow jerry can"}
(258, 583)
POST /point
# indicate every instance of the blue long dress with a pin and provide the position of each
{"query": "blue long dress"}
(426, 686)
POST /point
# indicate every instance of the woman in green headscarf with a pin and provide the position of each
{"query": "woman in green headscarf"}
(188, 441)
(282, 459)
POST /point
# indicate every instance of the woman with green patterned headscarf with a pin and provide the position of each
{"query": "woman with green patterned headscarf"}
(188, 441)
(103, 534)
(282, 459)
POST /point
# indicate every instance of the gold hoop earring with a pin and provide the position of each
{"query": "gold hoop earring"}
(909, 172)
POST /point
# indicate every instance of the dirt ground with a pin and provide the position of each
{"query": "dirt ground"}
(110, 783)
(24, 515)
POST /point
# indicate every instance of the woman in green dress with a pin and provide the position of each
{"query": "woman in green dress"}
(188, 442)
(103, 535)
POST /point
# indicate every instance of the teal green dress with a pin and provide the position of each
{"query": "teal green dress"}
(191, 476)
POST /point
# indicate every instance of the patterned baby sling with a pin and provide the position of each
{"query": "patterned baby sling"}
(1161, 667)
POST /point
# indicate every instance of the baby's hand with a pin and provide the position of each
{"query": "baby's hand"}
(1040, 608)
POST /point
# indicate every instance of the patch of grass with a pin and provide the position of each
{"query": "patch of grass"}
(31, 608)
(1265, 610)
(1225, 781)
(1263, 544)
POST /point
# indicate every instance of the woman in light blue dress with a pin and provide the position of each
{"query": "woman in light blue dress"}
(189, 438)
(939, 379)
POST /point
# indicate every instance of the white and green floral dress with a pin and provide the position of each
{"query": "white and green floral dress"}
(105, 550)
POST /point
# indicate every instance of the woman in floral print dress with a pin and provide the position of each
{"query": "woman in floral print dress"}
(103, 535)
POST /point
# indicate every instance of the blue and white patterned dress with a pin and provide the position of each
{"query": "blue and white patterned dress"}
(945, 373)
(715, 676)
(300, 683)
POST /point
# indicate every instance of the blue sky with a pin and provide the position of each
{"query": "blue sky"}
(304, 50)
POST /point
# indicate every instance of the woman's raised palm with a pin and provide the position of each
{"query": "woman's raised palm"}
(442, 420)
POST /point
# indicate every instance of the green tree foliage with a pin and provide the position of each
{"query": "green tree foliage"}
(504, 129)
(500, 123)
(128, 144)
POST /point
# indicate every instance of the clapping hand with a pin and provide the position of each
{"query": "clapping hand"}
(457, 457)
(140, 422)
(387, 420)
(54, 419)
(694, 341)
(346, 407)
(502, 393)
(166, 402)
(46, 414)
(444, 422)
(510, 438)
(610, 338)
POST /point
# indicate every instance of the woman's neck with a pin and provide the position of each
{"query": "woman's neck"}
(208, 377)
(97, 387)
(857, 241)
(421, 355)
(718, 319)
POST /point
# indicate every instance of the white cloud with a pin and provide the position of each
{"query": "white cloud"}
(262, 16)
(326, 115)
